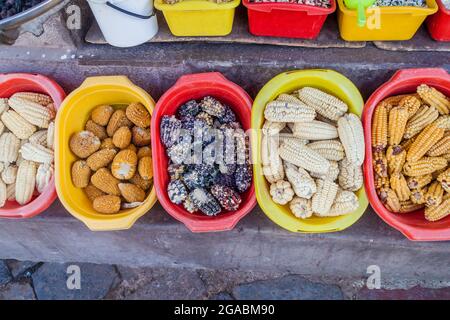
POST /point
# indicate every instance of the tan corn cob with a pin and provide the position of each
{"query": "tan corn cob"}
(380, 164)
(434, 98)
(278, 111)
(389, 199)
(290, 137)
(381, 182)
(438, 212)
(289, 98)
(304, 157)
(408, 206)
(437, 173)
(43, 176)
(446, 196)
(418, 196)
(332, 173)
(440, 148)
(350, 176)
(323, 199)
(346, 202)
(301, 208)
(443, 122)
(444, 179)
(398, 117)
(302, 183)
(39, 137)
(420, 120)
(315, 130)
(33, 112)
(426, 139)
(4, 106)
(9, 148)
(352, 138)
(446, 156)
(424, 166)
(325, 104)
(272, 128)
(21, 128)
(51, 136)
(329, 149)
(272, 164)
(419, 181)
(380, 128)
(37, 153)
(9, 174)
(434, 195)
(26, 181)
(3, 194)
(406, 144)
(412, 104)
(396, 158)
(40, 98)
(400, 186)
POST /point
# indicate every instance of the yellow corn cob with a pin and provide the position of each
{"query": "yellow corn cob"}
(301, 208)
(289, 98)
(278, 111)
(446, 196)
(446, 156)
(419, 181)
(406, 144)
(332, 173)
(4, 106)
(315, 130)
(36, 153)
(408, 206)
(411, 103)
(271, 128)
(424, 166)
(9, 147)
(440, 148)
(352, 138)
(346, 202)
(434, 98)
(302, 183)
(400, 186)
(444, 179)
(3, 194)
(389, 199)
(21, 128)
(51, 135)
(26, 181)
(9, 174)
(398, 117)
(325, 104)
(380, 164)
(43, 176)
(396, 158)
(420, 120)
(39, 137)
(329, 149)
(40, 98)
(434, 195)
(323, 199)
(290, 137)
(380, 128)
(350, 176)
(426, 139)
(272, 164)
(396, 100)
(33, 112)
(438, 212)
(381, 182)
(304, 157)
(418, 196)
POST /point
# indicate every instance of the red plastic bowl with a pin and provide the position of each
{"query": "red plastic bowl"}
(439, 23)
(10, 84)
(288, 20)
(412, 225)
(197, 86)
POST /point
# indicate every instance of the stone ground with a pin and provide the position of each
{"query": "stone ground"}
(43, 281)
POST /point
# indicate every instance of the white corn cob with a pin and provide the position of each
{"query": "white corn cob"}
(2, 167)
(3, 194)
(26, 182)
(301, 208)
(43, 176)
(9, 174)
(302, 183)
(325, 104)
(352, 138)
(304, 157)
(21, 128)
(323, 200)
(350, 176)
(51, 136)
(11, 192)
(4, 106)
(39, 137)
(329, 149)
(40, 98)
(33, 112)
(278, 111)
(289, 98)
(346, 202)
(271, 128)
(315, 130)
(2, 128)
(9, 148)
(37, 153)
(272, 164)
(290, 137)
(332, 173)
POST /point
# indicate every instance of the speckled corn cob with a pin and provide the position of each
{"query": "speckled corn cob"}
(315, 130)
(424, 166)
(25, 182)
(434, 98)
(325, 104)
(301, 208)
(440, 148)
(203, 200)
(350, 176)
(304, 157)
(380, 164)
(21, 128)
(398, 117)
(278, 111)
(213, 107)
(419, 181)
(351, 135)
(346, 202)
(420, 120)
(389, 199)
(9, 148)
(408, 206)
(33, 112)
(329, 149)
(411, 103)
(36, 153)
(380, 128)
(271, 161)
(418, 196)
(426, 139)
(400, 186)
(301, 182)
(271, 128)
(40, 98)
(438, 212)
(396, 158)
(434, 195)
(444, 179)
(323, 200)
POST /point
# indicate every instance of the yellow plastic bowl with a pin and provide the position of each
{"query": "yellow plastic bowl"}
(395, 23)
(328, 81)
(72, 116)
(195, 18)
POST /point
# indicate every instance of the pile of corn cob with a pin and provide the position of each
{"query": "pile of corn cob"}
(312, 152)
(26, 146)
(411, 149)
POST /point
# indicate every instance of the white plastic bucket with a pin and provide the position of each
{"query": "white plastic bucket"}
(125, 23)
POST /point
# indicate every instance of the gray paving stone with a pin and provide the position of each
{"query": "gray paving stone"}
(5, 275)
(222, 296)
(50, 281)
(287, 288)
(17, 291)
(416, 293)
(19, 268)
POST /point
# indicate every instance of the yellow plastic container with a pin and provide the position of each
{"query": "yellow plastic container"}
(383, 23)
(328, 81)
(195, 18)
(72, 116)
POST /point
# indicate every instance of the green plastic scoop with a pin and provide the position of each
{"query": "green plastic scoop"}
(360, 6)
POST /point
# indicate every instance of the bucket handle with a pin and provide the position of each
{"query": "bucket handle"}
(111, 5)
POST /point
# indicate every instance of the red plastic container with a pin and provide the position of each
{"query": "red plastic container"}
(288, 20)
(197, 86)
(10, 84)
(412, 225)
(439, 23)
